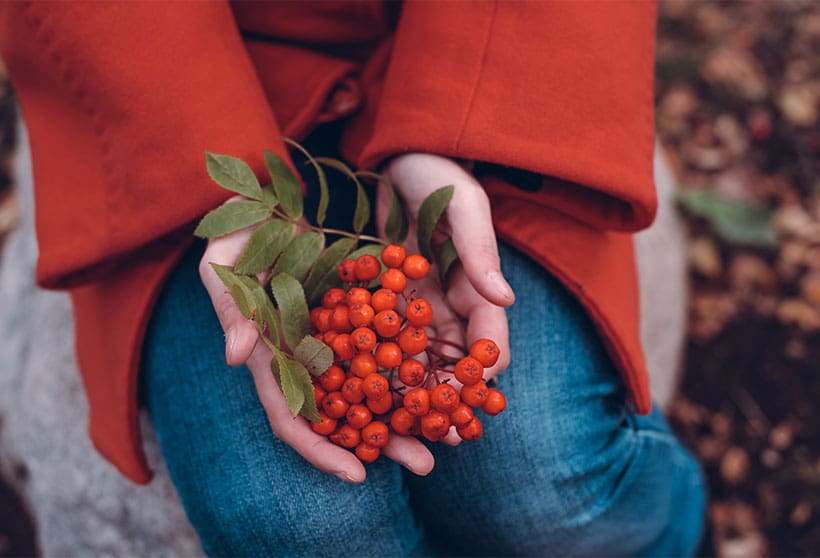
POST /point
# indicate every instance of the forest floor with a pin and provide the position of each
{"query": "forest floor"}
(738, 105)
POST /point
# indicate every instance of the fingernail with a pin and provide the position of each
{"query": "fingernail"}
(502, 286)
(345, 477)
(231, 341)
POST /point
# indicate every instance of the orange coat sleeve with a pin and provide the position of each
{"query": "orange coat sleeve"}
(121, 101)
(560, 89)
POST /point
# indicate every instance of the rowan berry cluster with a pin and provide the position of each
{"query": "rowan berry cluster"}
(385, 370)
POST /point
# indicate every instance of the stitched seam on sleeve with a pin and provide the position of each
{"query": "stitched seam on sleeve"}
(471, 100)
(73, 84)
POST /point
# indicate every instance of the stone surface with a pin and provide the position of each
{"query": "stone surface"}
(661, 254)
(81, 505)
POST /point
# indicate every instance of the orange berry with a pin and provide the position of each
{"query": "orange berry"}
(402, 421)
(318, 394)
(352, 390)
(444, 398)
(383, 299)
(495, 402)
(328, 337)
(394, 280)
(367, 453)
(376, 434)
(485, 351)
(332, 298)
(332, 378)
(382, 405)
(419, 312)
(434, 425)
(417, 401)
(367, 268)
(342, 346)
(475, 395)
(334, 405)
(393, 255)
(346, 436)
(358, 416)
(326, 426)
(415, 266)
(361, 315)
(347, 270)
(323, 319)
(363, 364)
(462, 415)
(314, 316)
(411, 372)
(357, 295)
(471, 431)
(468, 371)
(387, 323)
(413, 340)
(363, 339)
(340, 319)
(388, 354)
(375, 386)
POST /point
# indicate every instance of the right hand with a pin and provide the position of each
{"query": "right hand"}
(241, 347)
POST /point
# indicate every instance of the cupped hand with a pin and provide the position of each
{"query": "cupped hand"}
(242, 347)
(476, 292)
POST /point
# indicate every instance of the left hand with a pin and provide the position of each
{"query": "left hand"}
(477, 291)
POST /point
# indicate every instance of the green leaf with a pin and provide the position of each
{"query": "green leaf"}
(314, 355)
(289, 384)
(231, 217)
(269, 196)
(265, 314)
(447, 256)
(233, 174)
(285, 184)
(431, 210)
(374, 250)
(290, 298)
(362, 213)
(240, 290)
(264, 246)
(396, 226)
(300, 254)
(741, 223)
(324, 194)
(274, 369)
(251, 299)
(324, 274)
(296, 387)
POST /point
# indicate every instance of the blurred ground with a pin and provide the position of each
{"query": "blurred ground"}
(738, 99)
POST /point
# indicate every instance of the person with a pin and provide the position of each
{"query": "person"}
(552, 105)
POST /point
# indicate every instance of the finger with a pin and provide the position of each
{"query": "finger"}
(296, 432)
(410, 453)
(452, 438)
(474, 238)
(240, 333)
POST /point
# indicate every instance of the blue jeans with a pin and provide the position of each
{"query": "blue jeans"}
(565, 470)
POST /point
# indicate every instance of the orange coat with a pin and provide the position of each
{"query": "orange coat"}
(122, 99)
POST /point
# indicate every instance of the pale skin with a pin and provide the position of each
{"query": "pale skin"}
(476, 295)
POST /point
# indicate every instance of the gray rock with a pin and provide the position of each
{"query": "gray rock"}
(81, 505)
(661, 254)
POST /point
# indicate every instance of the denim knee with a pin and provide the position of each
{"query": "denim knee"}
(306, 514)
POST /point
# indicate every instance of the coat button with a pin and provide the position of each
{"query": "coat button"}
(344, 99)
